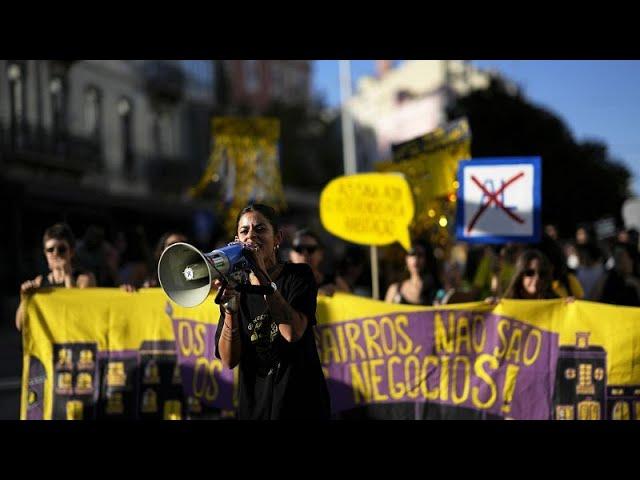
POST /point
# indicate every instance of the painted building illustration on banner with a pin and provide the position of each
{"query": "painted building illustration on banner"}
(581, 378)
(75, 381)
(144, 383)
(623, 402)
(160, 397)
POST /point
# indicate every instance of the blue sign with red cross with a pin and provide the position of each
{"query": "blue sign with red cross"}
(499, 200)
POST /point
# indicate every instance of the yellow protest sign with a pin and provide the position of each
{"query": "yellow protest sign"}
(368, 208)
(244, 166)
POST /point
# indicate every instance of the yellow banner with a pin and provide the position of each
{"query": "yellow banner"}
(104, 353)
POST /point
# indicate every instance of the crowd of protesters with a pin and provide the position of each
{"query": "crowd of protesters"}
(584, 267)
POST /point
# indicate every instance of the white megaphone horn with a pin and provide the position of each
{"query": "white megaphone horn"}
(185, 273)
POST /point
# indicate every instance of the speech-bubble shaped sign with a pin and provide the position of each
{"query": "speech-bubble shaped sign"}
(368, 208)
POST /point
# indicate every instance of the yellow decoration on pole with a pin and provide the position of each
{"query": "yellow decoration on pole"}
(430, 164)
(244, 163)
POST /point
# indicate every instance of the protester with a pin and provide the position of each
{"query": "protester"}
(135, 259)
(619, 285)
(565, 283)
(551, 230)
(456, 289)
(59, 250)
(99, 256)
(350, 269)
(307, 248)
(590, 269)
(166, 240)
(269, 335)
(423, 282)
(532, 279)
(495, 270)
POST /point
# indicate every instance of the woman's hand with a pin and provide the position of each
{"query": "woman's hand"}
(568, 300)
(328, 290)
(230, 299)
(30, 285)
(257, 259)
(492, 300)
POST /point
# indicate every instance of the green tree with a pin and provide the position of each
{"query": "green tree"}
(580, 182)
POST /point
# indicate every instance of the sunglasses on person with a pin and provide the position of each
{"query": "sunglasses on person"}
(531, 272)
(59, 249)
(310, 249)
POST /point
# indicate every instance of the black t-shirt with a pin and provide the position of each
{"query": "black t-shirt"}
(280, 379)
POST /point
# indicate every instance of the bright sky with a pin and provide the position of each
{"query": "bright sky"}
(597, 99)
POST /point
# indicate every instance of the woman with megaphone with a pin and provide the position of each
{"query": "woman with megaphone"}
(269, 335)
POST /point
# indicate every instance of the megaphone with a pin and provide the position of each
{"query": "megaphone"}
(185, 273)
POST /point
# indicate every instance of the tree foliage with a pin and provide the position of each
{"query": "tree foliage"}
(580, 182)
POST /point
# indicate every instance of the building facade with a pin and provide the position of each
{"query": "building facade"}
(401, 103)
(110, 142)
(257, 83)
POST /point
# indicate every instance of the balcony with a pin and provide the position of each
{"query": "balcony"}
(37, 148)
(164, 81)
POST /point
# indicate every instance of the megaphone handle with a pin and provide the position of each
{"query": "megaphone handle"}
(218, 298)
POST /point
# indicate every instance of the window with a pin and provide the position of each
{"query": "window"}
(200, 71)
(588, 410)
(621, 411)
(162, 132)
(92, 112)
(585, 380)
(301, 85)
(15, 73)
(276, 81)
(125, 113)
(251, 76)
(56, 94)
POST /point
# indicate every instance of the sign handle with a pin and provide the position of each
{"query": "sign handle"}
(375, 285)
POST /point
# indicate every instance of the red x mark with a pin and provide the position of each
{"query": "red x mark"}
(493, 198)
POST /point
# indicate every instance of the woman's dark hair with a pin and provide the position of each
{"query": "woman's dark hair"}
(160, 247)
(60, 231)
(557, 260)
(305, 232)
(515, 289)
(268, 212)
(431, 267)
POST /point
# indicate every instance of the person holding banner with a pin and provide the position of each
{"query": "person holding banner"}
(59, 249)
(270, 336)
(619, 286)
(532, 279)
(165, 241)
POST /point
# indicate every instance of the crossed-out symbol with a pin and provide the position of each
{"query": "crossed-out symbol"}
(493, 198)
